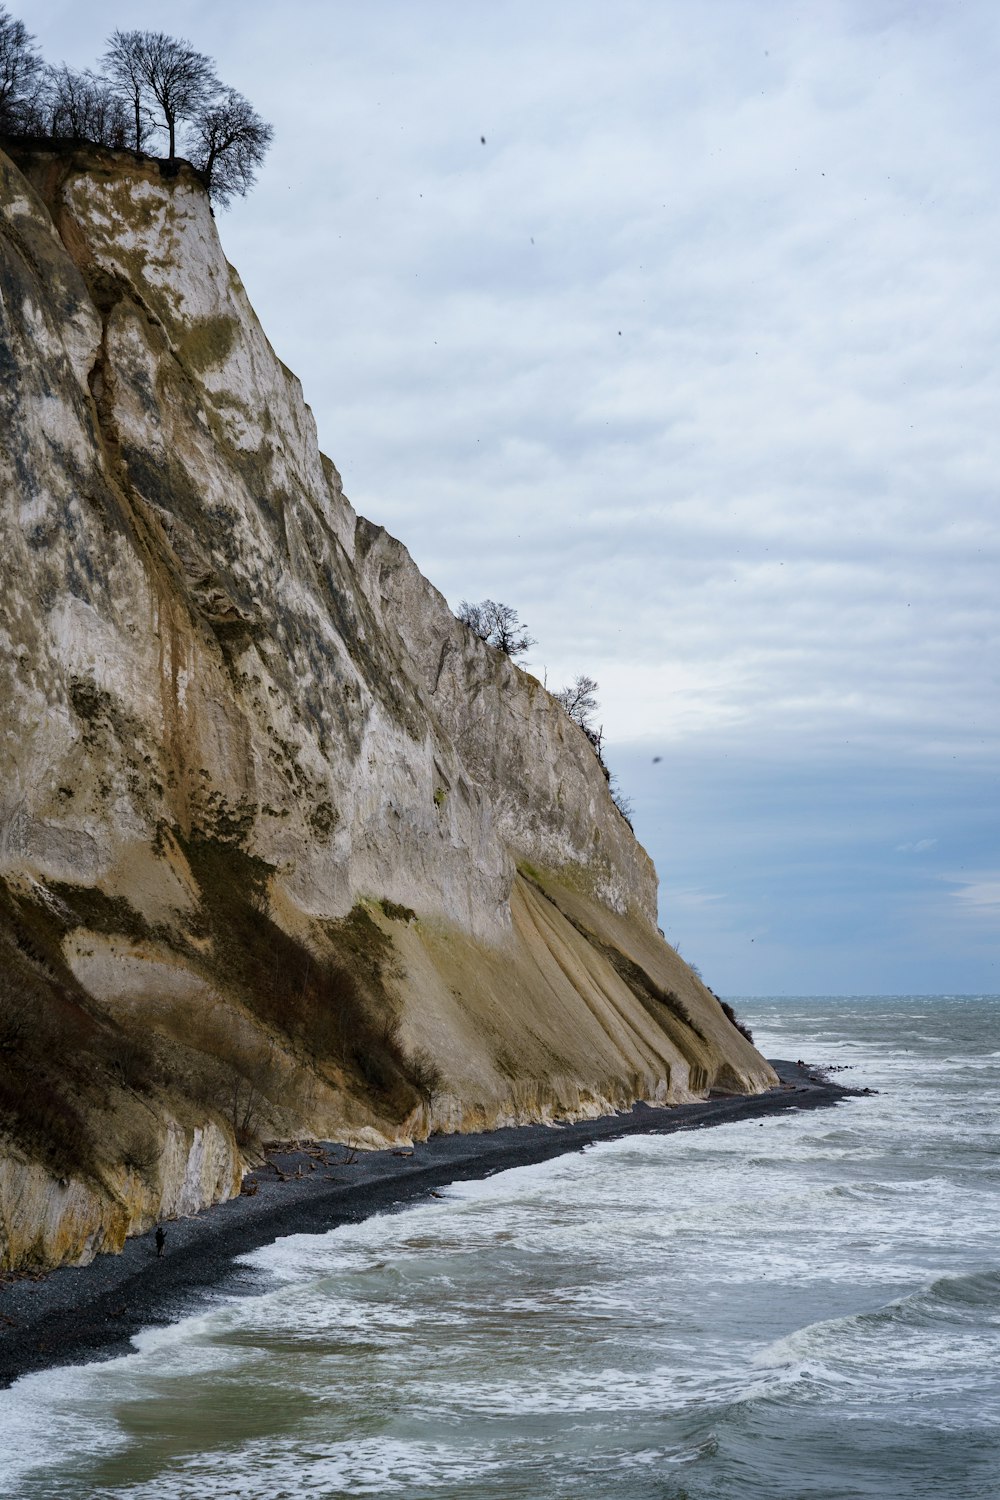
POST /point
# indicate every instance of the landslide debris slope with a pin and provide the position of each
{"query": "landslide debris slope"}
(284, 849)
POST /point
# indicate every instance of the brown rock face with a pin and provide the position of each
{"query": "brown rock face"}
(284, 849)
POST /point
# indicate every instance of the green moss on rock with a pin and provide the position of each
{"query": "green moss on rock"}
(208, 343)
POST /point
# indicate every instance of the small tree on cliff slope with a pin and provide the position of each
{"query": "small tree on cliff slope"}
(579, 699)
(151, 65)
(497, 625)
(20, 74)
(229, 140)
(580, 702)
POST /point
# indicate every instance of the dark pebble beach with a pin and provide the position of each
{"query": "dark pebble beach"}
(81, 1313)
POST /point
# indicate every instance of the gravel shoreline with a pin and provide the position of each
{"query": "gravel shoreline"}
(81, 1313)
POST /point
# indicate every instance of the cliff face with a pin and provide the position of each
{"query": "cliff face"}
(284, 849)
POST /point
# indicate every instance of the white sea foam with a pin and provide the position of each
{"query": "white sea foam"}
(365, 1466)
(57, 1411)
(574, 1328)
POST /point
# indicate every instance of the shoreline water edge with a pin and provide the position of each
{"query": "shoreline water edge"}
(79, 1313)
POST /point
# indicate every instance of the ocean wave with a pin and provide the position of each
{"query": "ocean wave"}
(361, 1466)
(933, 1349)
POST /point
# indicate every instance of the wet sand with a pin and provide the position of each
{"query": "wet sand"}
(81, 1313)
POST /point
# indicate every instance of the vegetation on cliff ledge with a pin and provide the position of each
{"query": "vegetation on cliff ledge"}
(499, 626)
(153, 88)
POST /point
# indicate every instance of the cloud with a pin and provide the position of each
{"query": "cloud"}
(694, 364)
(693, 896)
(978, 893)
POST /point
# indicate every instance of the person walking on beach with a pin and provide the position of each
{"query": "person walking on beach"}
(161, 1240)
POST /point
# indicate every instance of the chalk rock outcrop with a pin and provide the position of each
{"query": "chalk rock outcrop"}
(284, 848)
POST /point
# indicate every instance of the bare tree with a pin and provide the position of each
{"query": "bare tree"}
(20, 74)
(83, 107)
(580, 703)
(473, 616)
(179, 79)
(228, 142)
(123, 60)
(497, 625)
(425, 1075)
(578, 700)
(152, 84)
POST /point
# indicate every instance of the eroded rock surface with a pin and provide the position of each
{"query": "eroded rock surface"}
(284, 849)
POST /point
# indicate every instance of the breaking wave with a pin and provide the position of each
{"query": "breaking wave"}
(806, 1308)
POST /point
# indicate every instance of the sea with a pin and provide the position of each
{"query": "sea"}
(805, 1307)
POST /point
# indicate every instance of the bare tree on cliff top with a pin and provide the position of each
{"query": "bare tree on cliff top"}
(82, 107)
(123, 62)
(228, 143)
(20, 72)
(497, 625)
(181, 80)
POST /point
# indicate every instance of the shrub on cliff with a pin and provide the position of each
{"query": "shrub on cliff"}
(731, 1015)
(580, 702)
(497, 625)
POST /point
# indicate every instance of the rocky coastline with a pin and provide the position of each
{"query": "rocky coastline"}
(77, 1314)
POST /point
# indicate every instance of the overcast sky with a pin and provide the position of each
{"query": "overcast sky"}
(693, 361)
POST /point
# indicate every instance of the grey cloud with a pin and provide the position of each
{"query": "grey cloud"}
(764, 516)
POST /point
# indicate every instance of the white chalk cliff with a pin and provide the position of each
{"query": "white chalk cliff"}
(285, 850)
